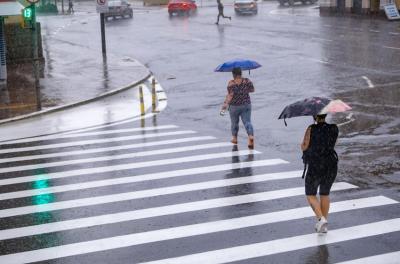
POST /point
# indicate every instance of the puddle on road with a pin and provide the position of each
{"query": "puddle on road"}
(369, 146)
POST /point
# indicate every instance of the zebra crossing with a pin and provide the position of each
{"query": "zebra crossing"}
(163, 194)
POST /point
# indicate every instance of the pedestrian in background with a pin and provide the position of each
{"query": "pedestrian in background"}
(70, 7)
(238, 100)
(318, 150)
(221, 12)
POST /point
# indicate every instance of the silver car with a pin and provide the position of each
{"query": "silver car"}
(246, 6)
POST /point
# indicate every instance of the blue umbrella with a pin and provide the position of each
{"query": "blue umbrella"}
(242, 64)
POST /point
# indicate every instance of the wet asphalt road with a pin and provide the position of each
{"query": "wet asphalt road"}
(141, 199)
(302, 55)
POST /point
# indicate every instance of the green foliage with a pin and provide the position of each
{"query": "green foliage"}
(47, 8)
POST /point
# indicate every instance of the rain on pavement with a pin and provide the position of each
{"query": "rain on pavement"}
(175, 211)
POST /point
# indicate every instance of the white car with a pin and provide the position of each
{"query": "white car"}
(246, 6)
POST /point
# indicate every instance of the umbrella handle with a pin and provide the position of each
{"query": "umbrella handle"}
(284, 120)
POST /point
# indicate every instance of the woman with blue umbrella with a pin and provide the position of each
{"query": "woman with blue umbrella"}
(237, 99)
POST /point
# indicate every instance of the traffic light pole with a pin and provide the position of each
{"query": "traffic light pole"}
(35, 58)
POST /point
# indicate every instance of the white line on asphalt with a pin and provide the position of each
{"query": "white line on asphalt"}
(115, 157)
(95, 141)
(370, 85)
(389, 258)
(138, 214)
(388, 47)
(394, 33)
(320, 61)
(112, 198)
(113, 168)
(150, 192)
(104, 132)
(328, 40)
(374, 31)
(175, 173)
(196, 229)
(106, 149)
(270, 247)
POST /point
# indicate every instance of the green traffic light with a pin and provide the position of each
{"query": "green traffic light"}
(28, 13)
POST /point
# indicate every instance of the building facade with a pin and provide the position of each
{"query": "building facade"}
(355, 6)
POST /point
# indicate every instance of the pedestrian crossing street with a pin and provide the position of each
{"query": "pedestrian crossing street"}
(165, 194)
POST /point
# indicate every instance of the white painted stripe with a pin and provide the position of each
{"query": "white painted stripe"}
(105, 149)
(182, 172)
(113, 168)
(370, 85)
(394, 33)
(147, 193)
(115, 157)
(389, 258)
(96, 133)
(196, 229)
(273, 247)
(152, 212)
(104, 132)
(112, 198)
(95, 141)
(217, 256)
(388, 47)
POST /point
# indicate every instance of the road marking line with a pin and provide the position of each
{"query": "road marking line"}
(163, 210)
(115, 157)
(179, 173)
(112, 198)
(264, 248)
(105, 132)
(394, 33)
(106, 149)
(113, 168)
(95, 141)
(374, 31)
(388, 47)
(195, 229)
(146, 193)
(389, 258)
(328, 40)
(370, 85)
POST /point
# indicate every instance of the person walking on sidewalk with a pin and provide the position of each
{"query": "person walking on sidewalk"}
(221, 12)
(318, 150)
(238, 100)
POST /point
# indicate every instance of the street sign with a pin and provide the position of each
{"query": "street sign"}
(102, 6)
(391, 12)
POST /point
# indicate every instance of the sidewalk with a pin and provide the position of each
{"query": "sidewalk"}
(74, 70)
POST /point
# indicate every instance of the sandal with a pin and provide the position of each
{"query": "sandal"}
(234, 140)
(251, 143)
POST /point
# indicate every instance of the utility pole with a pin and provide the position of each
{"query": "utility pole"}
(102, 7)
(103, 35)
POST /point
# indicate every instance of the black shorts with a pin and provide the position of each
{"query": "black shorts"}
(320, 177)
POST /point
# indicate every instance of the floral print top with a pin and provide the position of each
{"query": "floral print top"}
(240, 92)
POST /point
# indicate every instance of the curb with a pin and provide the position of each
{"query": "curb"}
(67, 106)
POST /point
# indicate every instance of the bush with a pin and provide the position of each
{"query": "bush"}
(47, 8)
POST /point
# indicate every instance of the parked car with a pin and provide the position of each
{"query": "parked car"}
(291, 2)
(118, 8)
(181, 7)
(246, 7)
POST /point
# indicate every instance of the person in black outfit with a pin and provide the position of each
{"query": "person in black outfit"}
(318, 147)
(221, 12)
